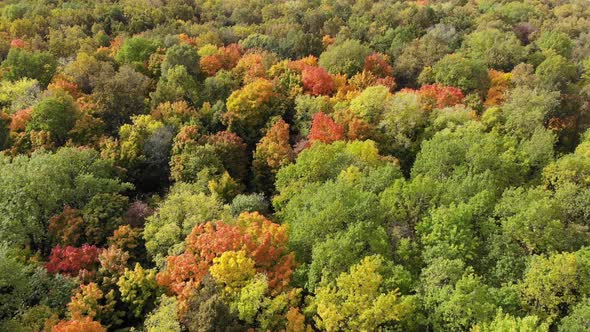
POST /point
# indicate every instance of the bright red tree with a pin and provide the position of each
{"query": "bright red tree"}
(324, 129)
(72, 260)
(440, 96)
(317, 81)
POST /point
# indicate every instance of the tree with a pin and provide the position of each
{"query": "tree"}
(577, 320)
(231, 150)
(67, 227)
(318, 211)
(233, 270)
(78, 324)
(249, 108)
(85, 71)
(456, 297)
(56, 115)
(555, 41)
(554, 283)
(570, 169)
(164, 317)
(324, 129)
(343, 249)
(249, 203)
(263, 241)
(356, 302)
(206, 310)
(143, 149)
(449, 232)
(19, 95)
(461, 155)
(506, 322)
(470, 75)
(135, 51)
(322, 162)
(556, 72)
(176, 114)
(13, 280)
(21, 63)
(120, 95)
(370, 104)
(347, 57)
(317, 81)
(67, 177)
(438, 96)
(73, 261)
(402, 121)
(224, 58)
(538, 103)
(533, 219)
(138, 289)
(378, 64)
(175, 218)
(103, 214)
(499, 50)
(272, 152)
(176, 84)
(183, 55)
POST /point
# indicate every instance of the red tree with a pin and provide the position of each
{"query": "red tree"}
(72, 260)
(317, 81)
(324, 129)
(440, 96)
(378, 65)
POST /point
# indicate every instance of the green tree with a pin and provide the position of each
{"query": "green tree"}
(556, 72)
(33, 189)
(555, 41)
(136, 51)
(57, 115)
(21, 63)
(176, 85)
(470, 75)
(182, 55)
(175, 218)
(164, 317)
(578, 318)
(346, 57)
(527, 109)
(553, 284)
(138, 289)
(500, 50)
(505, 323)
(357, 301)
(120, 95)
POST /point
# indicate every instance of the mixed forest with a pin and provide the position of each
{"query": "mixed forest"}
(286, 165)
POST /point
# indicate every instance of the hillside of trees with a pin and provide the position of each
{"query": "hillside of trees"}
(298, 166)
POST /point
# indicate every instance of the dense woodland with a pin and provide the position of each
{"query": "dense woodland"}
(324, 165)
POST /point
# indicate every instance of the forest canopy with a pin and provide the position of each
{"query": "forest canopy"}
(274, 165)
